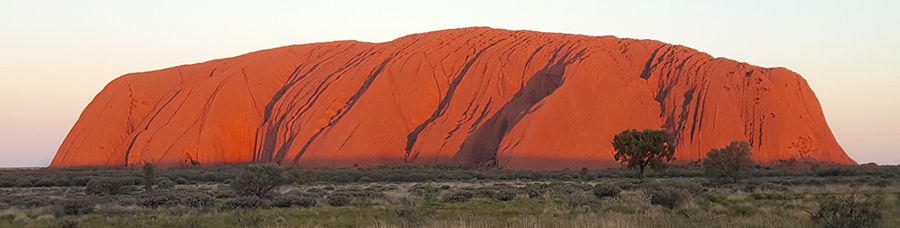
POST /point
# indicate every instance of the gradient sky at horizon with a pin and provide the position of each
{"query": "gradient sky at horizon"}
(55, 56)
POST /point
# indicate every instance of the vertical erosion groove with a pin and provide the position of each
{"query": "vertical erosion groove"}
(265, 146)
(442, 107)
(482, 146)
(349, 105)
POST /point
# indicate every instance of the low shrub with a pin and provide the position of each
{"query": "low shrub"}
(199, 200)
(485, 193)
(771, 187)
(79, 206)
(260, 179)
(158, 200)
(458, 197)
(420, 189)
(848, 210)
(534, 192)
(165, 183)
(181, 180)
(44, 183)
(365, 179)
(682, 184)
(606, 190)
(106, 186)
(293, 200)
(245, 202)
(669, 197)
(341, 179)
(80, 181)
(505, 195)
(339, 199)
(839, 171)
(24, 183)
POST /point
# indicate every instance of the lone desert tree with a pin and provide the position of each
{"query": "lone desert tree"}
(728, 162)
(642, 149)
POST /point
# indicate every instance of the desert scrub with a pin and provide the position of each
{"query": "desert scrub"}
(606, 190)
(245, 202)
(458, 197)
(339, 199)
(293, 200)
(669, 197)
(847, 210)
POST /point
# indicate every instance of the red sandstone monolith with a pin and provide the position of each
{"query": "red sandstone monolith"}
(477, 96)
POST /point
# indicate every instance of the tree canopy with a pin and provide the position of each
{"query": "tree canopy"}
(728, 162)
(641, 149)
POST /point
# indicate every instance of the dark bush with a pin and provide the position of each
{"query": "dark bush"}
(485, 193)
(683, 184)
(6, 184)
(419, 189)
(44, 183)
(668, 197)
(839, 171)
(165, 183)
(458, 197)
(260, 179)
(365, 179)
(181, 180)
(149, 176)
(106, 186)
(79, 206)
(505, 195)
(534, 192)
(130, 180)
(728, 163)
(80, 181)
(158, 200)
(245, 202)
(606, 190)
(62, 182)
(582, 204)
(882, 183)
(464, 177)
(308, 176)
(341, 179)
(223, 194)
(293, 200)
(770, 187)
(24, 183)
(339, 199)
(200, 200)
(419, 177)
(848, 210)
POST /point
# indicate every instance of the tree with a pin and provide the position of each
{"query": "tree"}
(642, 149)
(308, 176)
(149, 176)
(260, 179)
(728, 162)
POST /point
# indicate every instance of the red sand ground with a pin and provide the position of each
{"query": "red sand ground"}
(479, 96)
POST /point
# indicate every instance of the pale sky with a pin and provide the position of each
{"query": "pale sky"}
(55, 56)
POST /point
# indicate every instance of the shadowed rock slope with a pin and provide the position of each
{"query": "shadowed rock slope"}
(478, 96)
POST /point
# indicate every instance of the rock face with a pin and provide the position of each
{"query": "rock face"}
(478, 96)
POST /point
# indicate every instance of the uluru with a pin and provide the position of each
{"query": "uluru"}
(476, 96)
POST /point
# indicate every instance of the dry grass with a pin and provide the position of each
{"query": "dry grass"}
(718, 207)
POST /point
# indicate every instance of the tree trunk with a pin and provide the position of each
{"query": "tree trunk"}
(641, 174)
